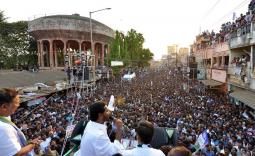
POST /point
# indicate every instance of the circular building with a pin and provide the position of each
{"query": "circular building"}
(59, 35)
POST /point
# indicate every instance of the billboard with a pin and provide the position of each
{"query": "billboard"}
(116, 63)
(219, 75)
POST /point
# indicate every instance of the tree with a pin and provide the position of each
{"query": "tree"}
(2, 17)
(129, 49)
(17, 47)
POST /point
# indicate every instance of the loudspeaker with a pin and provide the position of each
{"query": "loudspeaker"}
(86, 73)
(66, 60)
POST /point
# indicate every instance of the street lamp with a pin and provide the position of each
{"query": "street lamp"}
(91, 40)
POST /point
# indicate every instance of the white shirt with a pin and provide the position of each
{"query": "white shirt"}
(95, 141)
(45, 144)
(143, 151)
(9, 140)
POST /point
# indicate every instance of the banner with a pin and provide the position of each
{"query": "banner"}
(238, 70)
(219, 75)
(116, 63)
(69, 131)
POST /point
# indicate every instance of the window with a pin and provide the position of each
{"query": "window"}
(226, 60)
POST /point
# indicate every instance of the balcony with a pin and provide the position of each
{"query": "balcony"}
(235, 77)
(240, 41)
(237, 81)
(222, 48)
(242, 37)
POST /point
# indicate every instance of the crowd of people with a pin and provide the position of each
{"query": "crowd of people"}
(158, 96)
(239, 26)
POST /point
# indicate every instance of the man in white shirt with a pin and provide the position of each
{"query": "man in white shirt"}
(95, 141)
(12, 140)
(144, 133)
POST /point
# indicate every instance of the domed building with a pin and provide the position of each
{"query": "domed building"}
(59, 35)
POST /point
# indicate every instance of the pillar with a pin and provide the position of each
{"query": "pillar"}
(55, 55)
(64, 47)
(51, 54)
(96, 57)
(42, 53)
(80, 45)
(38, 54)
(223, 61)
(102, 55)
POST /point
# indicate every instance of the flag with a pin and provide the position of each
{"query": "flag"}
(202, 141)
(110, 104)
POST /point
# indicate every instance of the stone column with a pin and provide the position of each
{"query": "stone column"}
(96, 58)
(223, 61)
(42, 53)
(38, 54)
(64, 41)
(96, 54)
(79, 45)
(51, 54)
(55, 55)
(102, 55)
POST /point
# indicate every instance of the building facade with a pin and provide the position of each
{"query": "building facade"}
(229, 65)
(61, 35)
(241, 74)
(212, 60)
(182, 56)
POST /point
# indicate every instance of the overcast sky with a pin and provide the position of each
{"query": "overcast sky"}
(162, 22)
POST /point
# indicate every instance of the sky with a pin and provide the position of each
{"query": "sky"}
(162, 22)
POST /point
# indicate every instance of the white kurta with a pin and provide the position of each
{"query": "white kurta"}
(95, 141)
(143, 151)
(9, 140)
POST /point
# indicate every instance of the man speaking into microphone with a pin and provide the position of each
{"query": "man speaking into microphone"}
(95, 141)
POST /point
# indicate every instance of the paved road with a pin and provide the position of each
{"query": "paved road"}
(25, 78)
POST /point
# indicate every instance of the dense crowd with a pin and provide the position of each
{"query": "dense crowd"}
(239, 26)
(164, 97)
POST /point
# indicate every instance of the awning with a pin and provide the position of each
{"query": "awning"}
(245, 96)
(211, 83)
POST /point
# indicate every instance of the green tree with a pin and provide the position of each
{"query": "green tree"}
(17, 47)
(129, 49)
(2, 17)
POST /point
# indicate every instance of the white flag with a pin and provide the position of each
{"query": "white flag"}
(111, 103)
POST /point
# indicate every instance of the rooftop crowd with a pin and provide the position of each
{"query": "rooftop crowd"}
(158, 96)
(239, 26)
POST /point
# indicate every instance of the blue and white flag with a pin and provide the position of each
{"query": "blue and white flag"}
(202, 141)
